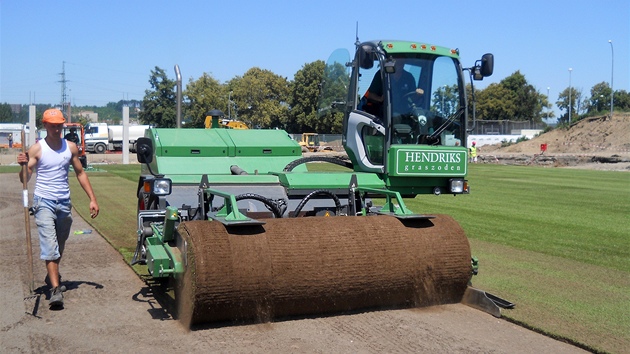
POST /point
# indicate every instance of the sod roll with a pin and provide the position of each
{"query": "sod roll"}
(319, 265)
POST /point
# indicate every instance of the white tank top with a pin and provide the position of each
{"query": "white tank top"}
(52, 172)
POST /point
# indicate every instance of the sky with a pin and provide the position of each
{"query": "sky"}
(107, 48)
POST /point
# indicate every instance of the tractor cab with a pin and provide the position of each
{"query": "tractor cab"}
(405, 114)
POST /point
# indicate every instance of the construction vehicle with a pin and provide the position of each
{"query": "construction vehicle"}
(309, 142)
(242, 231)
(217, 121)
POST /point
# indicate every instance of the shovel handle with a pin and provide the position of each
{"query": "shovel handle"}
(27, 221)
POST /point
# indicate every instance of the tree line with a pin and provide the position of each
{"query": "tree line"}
(263, 99)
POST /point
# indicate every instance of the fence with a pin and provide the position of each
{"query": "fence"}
(503, 127)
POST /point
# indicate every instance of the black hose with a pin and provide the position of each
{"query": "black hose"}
(303, 160)
(315, 193)
(276, 207)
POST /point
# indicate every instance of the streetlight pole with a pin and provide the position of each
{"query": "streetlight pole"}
(570, 105)
(230, 105)
(548, 102)
(612, 68)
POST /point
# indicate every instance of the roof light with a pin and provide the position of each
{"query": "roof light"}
(433, 48)
(414, 46)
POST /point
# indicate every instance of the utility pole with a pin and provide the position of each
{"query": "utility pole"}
(64, 92)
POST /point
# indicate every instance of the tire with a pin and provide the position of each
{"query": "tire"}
(100, 148)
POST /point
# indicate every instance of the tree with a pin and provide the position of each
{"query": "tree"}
(446, 100)
(204, 95)
(159, 104)
(261, 98)
(496, 102)
(563, 103)
(546, 104)
(622, 100)
(303, 97)
(600, 98)
(6, 114)
(528, 104)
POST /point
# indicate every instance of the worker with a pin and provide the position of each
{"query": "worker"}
(10, 137)
(72, 136)
(402, 84)
(51, 157)
(473, 152)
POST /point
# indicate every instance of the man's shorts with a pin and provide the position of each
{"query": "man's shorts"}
(54, 220)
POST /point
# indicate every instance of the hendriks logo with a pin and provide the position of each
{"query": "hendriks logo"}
(432, 161)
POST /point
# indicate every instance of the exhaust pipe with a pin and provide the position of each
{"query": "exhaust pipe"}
(179, 96)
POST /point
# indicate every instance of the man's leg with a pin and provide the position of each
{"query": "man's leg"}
(53, 272)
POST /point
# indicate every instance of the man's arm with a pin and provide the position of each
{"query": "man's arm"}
(83, 179)
(30, 160)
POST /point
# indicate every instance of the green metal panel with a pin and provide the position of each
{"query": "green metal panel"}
(185, 154)
(224, 142)
(157, 257)
(418, 47)
(327, 180)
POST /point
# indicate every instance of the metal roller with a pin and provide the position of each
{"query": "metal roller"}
(319, 265)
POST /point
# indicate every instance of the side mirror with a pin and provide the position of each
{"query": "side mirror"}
(144, 150)
(487, 64)
(484, 67)
(366, 57)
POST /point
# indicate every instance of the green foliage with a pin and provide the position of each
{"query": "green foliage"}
(159, 104)
(600, 97)
(303, 96)
(564, 104)
(496, 102)
(204, 95)
(446, 100)
(261, 98)
(528, 104)
(506, 143)
(6, 114)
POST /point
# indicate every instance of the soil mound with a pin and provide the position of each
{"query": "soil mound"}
(593, 136)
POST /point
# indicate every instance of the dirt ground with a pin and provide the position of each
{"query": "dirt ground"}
(109, 309)
(599, 143)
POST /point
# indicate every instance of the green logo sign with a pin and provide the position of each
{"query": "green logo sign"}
(430, 162)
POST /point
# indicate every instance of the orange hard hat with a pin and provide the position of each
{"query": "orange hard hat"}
(53, 116)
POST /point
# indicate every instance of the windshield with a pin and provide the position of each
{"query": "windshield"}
(424, 96)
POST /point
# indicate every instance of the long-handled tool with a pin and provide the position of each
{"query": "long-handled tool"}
(27, 225)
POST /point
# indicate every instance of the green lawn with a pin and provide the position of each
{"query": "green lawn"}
(554, 241)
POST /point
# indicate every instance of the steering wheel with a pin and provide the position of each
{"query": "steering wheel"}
(411, 98)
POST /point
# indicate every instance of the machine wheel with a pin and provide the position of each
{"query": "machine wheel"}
(100, 148)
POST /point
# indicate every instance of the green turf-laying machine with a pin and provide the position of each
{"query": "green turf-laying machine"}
(248, 233)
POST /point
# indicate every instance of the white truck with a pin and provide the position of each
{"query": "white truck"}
(101, 137)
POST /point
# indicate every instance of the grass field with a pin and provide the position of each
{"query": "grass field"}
(554, 241)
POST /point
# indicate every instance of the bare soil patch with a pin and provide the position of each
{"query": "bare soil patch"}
(600, 143)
